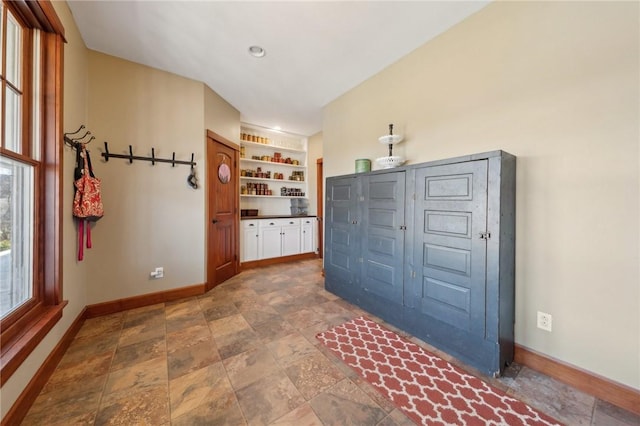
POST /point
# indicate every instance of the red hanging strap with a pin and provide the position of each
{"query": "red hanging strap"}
(80, 239)
(88, 235)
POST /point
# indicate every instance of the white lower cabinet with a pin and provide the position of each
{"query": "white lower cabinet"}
(290, 237)
(269, 238)
(307, 237)
(249, 243)
(278, 237)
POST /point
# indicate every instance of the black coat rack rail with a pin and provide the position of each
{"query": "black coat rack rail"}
(106, 154)
(74, 140)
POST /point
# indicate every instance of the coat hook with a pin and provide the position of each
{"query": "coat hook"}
(130, 155)
(73, 133)
(173, 160)
(153, 156)
(82, 137)
(192, 179)
(69, 142)
(89, 141)
(105, 154)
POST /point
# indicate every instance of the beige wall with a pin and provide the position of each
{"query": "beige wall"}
(152, 217)
(74, 281)
(314, 152)
(220, 116)
(557, 85)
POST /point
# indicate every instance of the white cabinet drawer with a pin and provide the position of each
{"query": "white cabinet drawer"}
(268, 223)
(248, 224)
(275, 223)
(290, 222)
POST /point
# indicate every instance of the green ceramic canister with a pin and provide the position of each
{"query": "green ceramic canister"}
(363, 165)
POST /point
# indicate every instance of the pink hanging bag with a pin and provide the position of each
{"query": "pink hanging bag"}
(87, 202)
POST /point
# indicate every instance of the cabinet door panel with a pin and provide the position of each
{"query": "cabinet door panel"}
(270, 242)
(249, 240)
(450, 215)
(341, 227)
(382, 237)
(291, 239)
(307, 236)
(249, 244)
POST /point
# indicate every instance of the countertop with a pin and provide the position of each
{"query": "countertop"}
(277, 216)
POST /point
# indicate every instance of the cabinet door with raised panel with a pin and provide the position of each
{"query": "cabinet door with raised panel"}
(342, 231)
(307, 235)
(382, 239)
(290, 237)
(450, 250)
(249, 243)
(270, 240)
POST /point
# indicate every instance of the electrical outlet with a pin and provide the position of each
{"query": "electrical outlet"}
(544, 321)
(158, 273)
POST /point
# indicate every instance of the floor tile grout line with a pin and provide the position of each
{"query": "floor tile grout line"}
(224, 367)
(166, 360)
(113, 356)
(593, 411)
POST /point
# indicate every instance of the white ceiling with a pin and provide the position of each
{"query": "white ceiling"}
(315, 50)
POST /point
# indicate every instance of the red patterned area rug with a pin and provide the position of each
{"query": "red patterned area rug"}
(430, 390)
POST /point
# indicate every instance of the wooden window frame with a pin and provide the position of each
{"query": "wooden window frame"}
(24, 329)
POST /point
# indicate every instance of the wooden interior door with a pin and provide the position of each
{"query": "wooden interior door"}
(223, 202)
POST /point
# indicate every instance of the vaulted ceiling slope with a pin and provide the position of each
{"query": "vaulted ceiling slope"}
(315, 50)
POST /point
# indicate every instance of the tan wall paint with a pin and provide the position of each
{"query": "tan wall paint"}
(314, 151)
(220, 116)
(223, 119)
(557, 85)
(74, 280)
(152, 217)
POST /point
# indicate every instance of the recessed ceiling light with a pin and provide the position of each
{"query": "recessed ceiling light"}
(277, 128)
(257, 51)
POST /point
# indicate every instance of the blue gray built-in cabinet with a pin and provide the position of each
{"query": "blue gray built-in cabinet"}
(430, 248)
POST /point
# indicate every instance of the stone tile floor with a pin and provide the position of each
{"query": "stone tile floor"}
(246, 353)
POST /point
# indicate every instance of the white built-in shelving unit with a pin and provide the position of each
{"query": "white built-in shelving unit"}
(260, 147)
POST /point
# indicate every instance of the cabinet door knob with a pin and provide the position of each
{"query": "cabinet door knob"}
(214, 221)
(272, 223)
(290, 223)
(251, 224)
